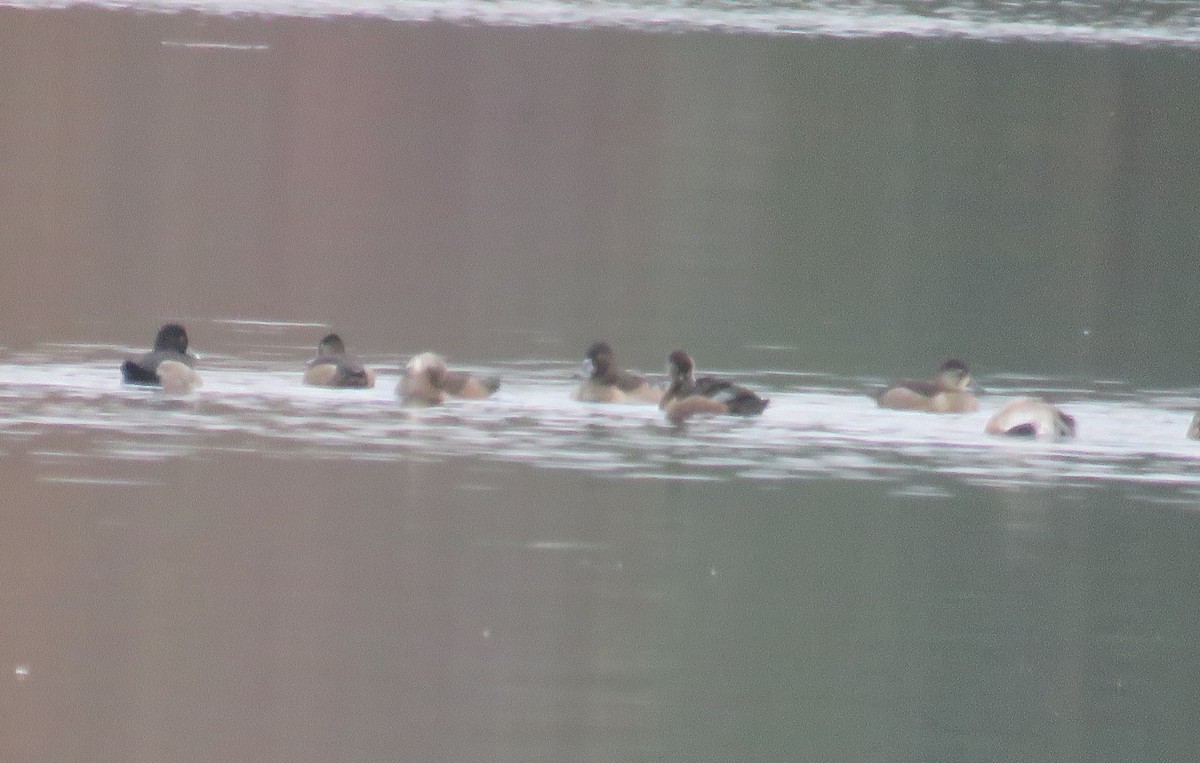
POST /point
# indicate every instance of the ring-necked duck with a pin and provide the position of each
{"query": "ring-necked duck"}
(427, 381)
(945, 392)
(1031, 417)
(604, 382)
(688, 396)
(168, 365)
(332, 367)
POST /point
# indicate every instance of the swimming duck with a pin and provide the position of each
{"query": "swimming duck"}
(332, 367)
(688, 395)
(1031, 417)
(946, 392)
(427, 381)
(169, 365)
(1194, 430)
(604, 382)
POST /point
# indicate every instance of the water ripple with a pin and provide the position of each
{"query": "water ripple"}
(68, 417)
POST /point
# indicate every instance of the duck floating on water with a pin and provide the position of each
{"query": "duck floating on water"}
(688, 395)
(427, 381)
(169, 365)
(1031, 417)
(945, 392)
(605, 382)
(334, 367)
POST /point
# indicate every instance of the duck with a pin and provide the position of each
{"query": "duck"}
(603, 381)
(169, 365)
(688, 396)
(945, 392)
(1194, 429)
(1031, 417)
(333, 367)
(427, 381)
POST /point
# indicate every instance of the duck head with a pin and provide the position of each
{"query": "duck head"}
(597, 361)
(171, 337)
(680, 366)
(953, 374)
(331, 344)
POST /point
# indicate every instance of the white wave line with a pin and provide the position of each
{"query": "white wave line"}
(193, 45)
(829, 20)
(254, 322)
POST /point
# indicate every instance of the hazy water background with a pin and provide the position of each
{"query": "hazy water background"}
(811, 197)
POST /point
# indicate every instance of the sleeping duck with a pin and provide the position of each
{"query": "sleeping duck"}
(1031, 417)
(427, 381)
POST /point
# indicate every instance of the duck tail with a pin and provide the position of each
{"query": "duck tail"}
(1065, 425)
(133, 373)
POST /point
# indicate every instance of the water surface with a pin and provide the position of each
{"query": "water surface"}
(819, 426)
(1164, 22)
(812, 198)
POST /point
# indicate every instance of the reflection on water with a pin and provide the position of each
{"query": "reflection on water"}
(817, 426)
(264, 571)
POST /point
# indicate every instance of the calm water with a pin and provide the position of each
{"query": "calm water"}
(813, 198)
